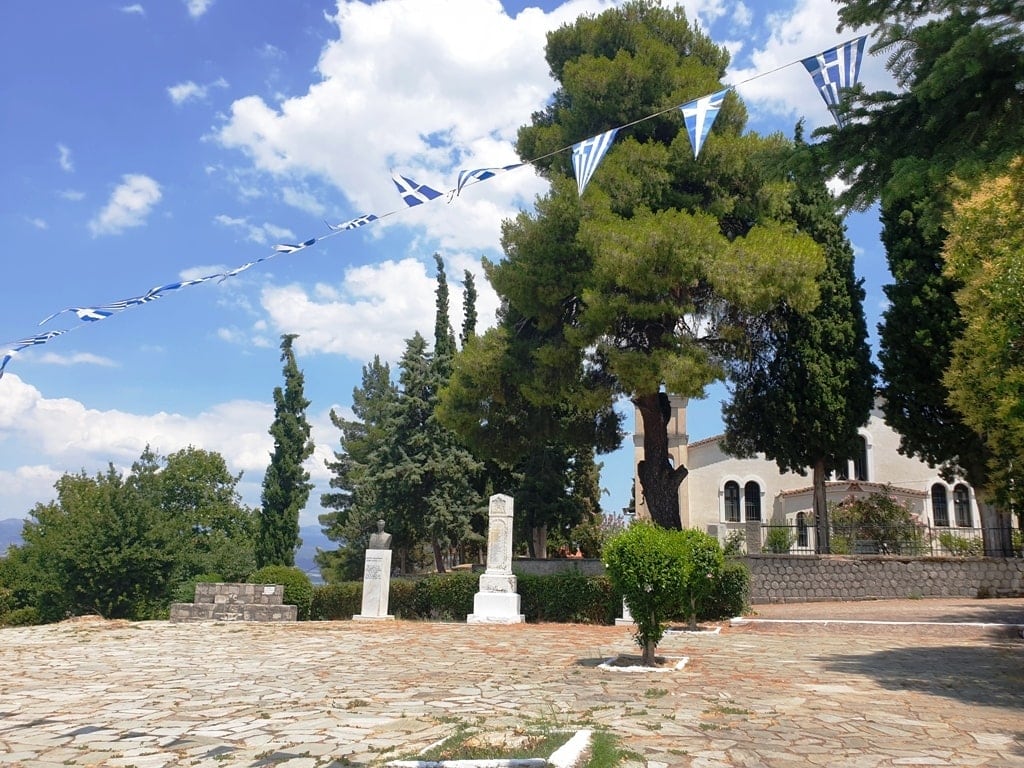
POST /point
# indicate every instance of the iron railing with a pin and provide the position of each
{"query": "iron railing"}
(914, 540)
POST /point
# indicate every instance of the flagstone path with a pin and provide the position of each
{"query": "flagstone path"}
(90, 692)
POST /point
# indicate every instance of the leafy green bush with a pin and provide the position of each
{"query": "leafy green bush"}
(731, 595)
(878, 523)
(402, 599)
(702, 564)
(21, 617)
(298, 589)
(332, 602)
(961, 546)
(447, 596)
(779, 539)
(185, 592)
(568, 597)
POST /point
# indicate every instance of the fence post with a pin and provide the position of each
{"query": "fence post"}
(753, 536)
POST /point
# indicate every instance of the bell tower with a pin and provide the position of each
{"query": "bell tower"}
(677, 442)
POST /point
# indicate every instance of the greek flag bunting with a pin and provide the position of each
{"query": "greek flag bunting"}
(359, 221)
(31, 341)
(834, 70)
(587, 155)
(480, 174)
(413, 193)
(700, 115)
(290, 248)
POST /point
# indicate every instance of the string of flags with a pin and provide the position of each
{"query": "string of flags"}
(833, 72)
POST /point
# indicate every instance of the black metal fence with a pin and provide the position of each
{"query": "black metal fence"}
(914, 540)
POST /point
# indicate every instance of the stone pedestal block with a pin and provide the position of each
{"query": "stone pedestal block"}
(376, 585)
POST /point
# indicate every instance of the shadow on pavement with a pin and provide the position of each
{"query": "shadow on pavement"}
(990, 676)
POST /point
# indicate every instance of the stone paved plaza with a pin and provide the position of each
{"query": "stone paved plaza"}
(93, 692)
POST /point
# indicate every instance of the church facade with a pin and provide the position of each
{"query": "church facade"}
(722, 494)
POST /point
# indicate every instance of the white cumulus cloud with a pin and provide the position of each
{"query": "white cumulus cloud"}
(129, 205)
(197, 8)
(190, 91)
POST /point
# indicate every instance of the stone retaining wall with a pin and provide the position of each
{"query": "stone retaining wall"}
(235, 602)
(809, 578)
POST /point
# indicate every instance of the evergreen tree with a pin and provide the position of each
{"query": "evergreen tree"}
(357, 469)
(958, 114)
(801, 400)
(651, 279)
(286, 484)
(468, 308)
(985, 253)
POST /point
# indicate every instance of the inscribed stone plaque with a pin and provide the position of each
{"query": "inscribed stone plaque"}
(376, 585)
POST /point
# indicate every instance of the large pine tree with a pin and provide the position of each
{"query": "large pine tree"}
(650, 280)
(801, 398)
(286, 484)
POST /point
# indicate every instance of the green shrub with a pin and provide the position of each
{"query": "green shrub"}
(878, 523)
(731, 596)
(702, 564)
(332, 602)
(21, 617)
(779, 539)
(298, 589)
(568, 597)
(961, 546)
(402, 599)
(446, 596)
(185, 592)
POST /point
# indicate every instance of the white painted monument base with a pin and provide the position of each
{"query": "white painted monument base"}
(627, 617)
(495, 608)
(376, 586)
(497, 601)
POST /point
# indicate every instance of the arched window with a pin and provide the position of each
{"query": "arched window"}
(732, 502)
(801, 529)
(860, 460)
(752, 501)
(940, 508)
(962, 506)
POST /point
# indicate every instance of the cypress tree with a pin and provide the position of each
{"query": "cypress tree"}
(286, 484)
(802, 397)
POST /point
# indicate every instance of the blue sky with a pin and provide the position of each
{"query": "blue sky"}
(144, 143)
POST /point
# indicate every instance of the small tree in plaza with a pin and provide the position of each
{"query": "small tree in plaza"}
(662, 573)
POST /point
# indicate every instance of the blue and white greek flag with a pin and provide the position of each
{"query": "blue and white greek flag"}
(292, 248)
(700, 115)
(413, 193)
(587, 155)
(359, 221)
(480, 174)
(834, 70)
(31, 341)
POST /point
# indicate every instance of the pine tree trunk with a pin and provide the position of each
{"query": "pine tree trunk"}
(821, 522)
(659, 480)
(438, 556)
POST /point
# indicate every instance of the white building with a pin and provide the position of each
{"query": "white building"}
(721, 493)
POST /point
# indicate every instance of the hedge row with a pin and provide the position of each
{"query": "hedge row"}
(566, 598)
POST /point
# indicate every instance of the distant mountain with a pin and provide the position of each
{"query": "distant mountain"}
(312, 538)
(10, 532)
